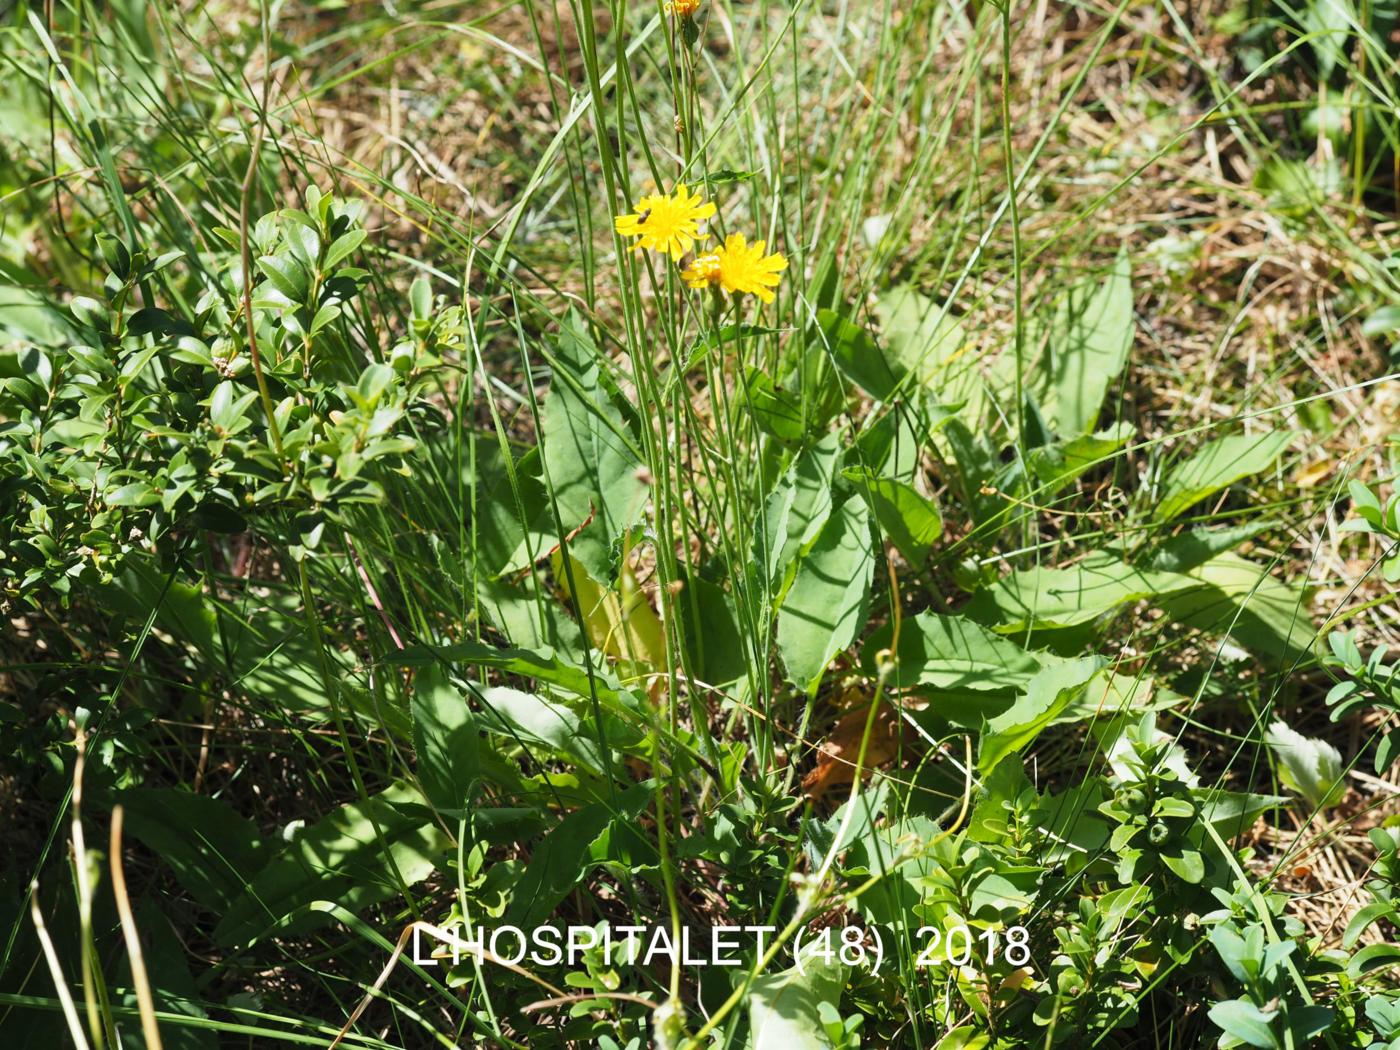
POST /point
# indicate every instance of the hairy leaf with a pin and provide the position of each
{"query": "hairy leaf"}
(910, 520)
(1216, 466)
(1089, 339)
(445, 738)
(590, 453)
(830, 597)
(1046, 695)
(359, 854)
(950, 652)
(1098, 584)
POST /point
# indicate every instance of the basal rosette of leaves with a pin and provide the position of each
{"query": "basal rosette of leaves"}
(819, 515)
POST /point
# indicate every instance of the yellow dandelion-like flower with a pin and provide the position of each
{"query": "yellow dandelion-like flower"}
(737, 266)
(682, 8)
(667, 222)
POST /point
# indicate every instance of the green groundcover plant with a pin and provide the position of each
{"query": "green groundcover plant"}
(774, 568)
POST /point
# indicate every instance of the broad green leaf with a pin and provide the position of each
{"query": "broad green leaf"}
(1383, 1011)
(1363, 919)
(967, 1037)
(894, 444)
(830, 597)
(1008, 888)
(1003, 789)
(172, 985)
(1246, 1022)
(342, 246)
(528, 718)
(1308, 1022)
(1089, 339)
(135, 494)
(1216, 466)
(1121, 696)
(541, 664)
(530, 615)
(827, 836)
(712, 638)
(1188, 865)
(445, 738)
(324, 316)
(1057, 464)
(1046, 696)
(1328, 24)
(910, 520)
(564, 855)
(1311, 767)
(287, 276)
(340, 859)
(857, 355)
(1187, 551)
(1383, 321)
(1232, 812)
(898, 848)
(619, 620)
(1385, 750)
(512, 527)
(211, 850)
(921, 337)
(783, 1007)
(796, 510)
(590, 453)
(1100, 583)
(1268, 617)
(1373, 957)
(1296, 187)
(949, 652)
(269, 653)
(27, 315)
(1240, 954)
(924, 340)
(986, 481)
(420, 298)
(1073, 828)
(776, 411)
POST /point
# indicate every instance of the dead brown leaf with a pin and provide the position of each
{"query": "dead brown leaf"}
(836, 756)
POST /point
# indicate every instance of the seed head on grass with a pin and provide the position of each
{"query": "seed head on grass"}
(738, 267)
(667, 222)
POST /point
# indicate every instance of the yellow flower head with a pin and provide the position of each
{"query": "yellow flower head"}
(737, 266)
(667, 223)
(682, 8)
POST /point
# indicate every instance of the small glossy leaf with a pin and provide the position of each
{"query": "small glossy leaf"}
(286, 275)
(420, 299)
(341, 247)
(1245, 1022)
